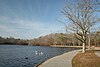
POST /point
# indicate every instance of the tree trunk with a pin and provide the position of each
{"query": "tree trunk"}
(89, 41)
(83, 47)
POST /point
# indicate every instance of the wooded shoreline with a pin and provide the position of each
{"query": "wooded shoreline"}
(54, 39)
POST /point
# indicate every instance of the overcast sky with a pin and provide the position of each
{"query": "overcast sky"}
(30, 18)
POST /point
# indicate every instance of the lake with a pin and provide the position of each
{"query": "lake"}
(27, 56)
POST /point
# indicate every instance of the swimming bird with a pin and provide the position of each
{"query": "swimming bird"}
(39, 53)
(36, 52)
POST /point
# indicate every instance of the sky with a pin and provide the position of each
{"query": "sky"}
(27, 19)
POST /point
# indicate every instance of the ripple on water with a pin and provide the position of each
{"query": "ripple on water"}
(24, 56)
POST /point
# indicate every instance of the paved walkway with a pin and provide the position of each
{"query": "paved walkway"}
(63, 60)
(97, 53)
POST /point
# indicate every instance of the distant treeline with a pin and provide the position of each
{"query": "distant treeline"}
(64, 39)
(53, 39)
(13, 41)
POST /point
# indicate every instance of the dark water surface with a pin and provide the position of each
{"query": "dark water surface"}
(27, 56)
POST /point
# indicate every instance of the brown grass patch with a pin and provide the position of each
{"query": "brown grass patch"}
(87, 59)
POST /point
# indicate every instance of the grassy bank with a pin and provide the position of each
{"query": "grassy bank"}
(87, 59)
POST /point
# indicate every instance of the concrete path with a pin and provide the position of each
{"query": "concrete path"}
(97, 53)
(63, 60)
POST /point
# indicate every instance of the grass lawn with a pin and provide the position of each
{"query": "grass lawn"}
(87, 59)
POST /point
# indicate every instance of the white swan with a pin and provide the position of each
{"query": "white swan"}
(39, 53)
(36, 52)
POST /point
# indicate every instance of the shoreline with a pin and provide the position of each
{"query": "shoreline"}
(37, 65)
(68, 56)
(59, 46)
(63, 46)
(56, 58)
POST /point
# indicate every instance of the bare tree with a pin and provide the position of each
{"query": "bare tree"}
(80, 14)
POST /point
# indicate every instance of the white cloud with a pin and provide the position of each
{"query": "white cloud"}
(23, 28)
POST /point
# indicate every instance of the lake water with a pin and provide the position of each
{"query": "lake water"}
(27, 56)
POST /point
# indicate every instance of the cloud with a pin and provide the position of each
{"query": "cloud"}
(3, 17)
(22, 28)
